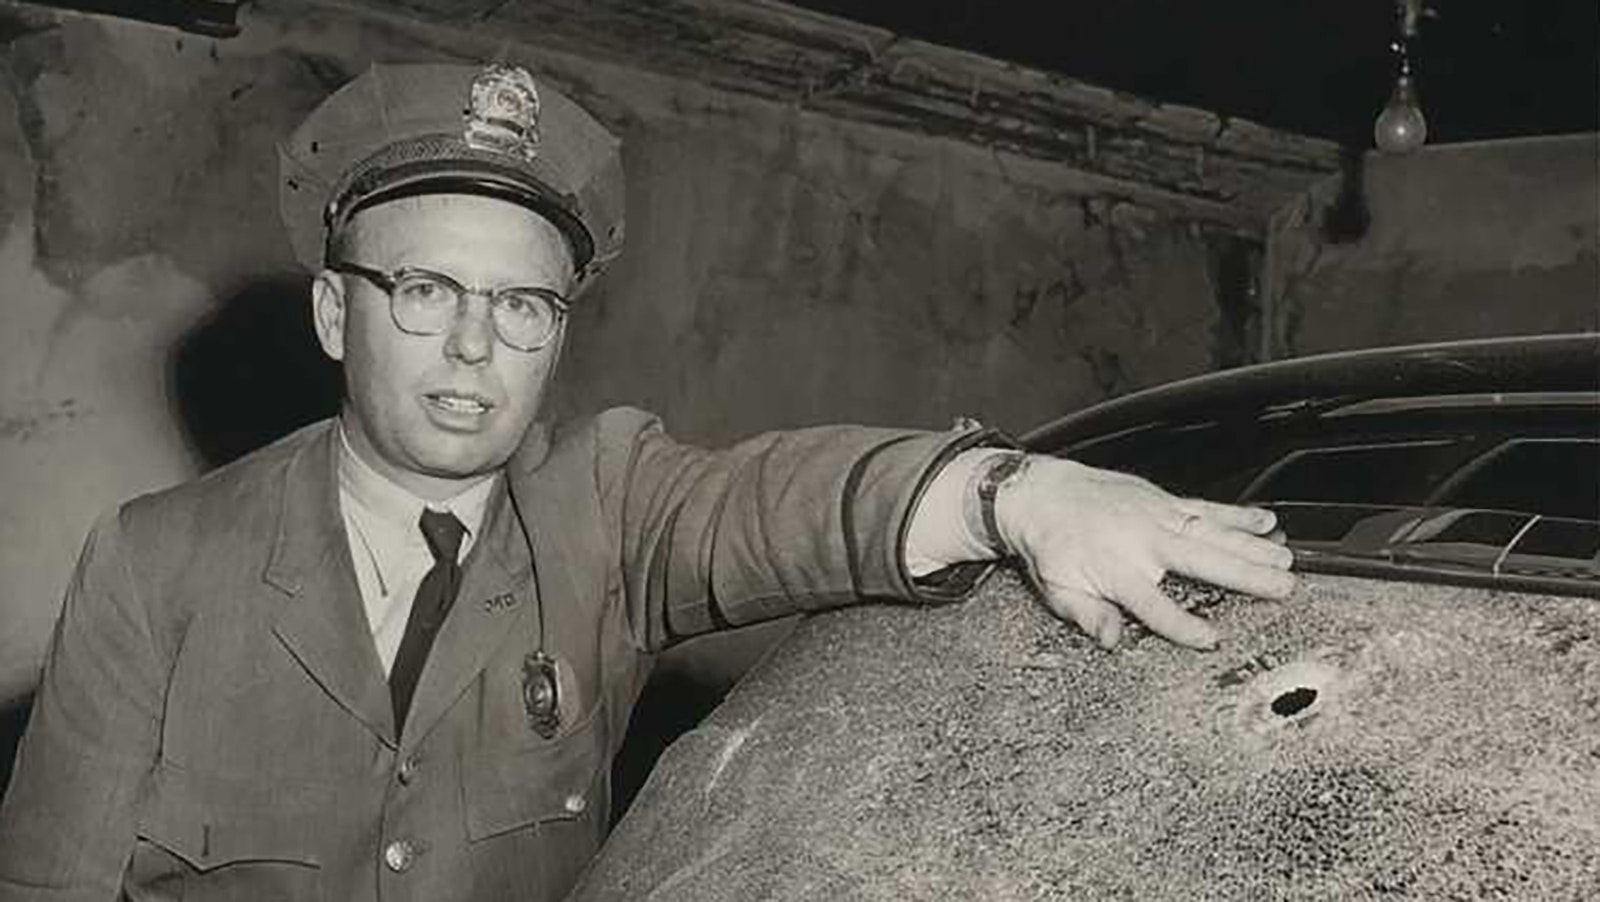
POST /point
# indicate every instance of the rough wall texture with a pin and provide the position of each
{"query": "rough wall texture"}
(1465, 241)
(784, 268)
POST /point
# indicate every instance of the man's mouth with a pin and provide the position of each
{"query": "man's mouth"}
(461, 403)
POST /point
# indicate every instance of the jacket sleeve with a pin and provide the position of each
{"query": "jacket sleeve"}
(67, 826)
(783, 522)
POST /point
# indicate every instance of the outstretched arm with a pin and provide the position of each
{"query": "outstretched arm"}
(799, 520)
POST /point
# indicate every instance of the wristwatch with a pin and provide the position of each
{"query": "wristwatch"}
(999, 469)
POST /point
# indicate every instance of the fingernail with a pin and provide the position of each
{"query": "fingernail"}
(1104, 634)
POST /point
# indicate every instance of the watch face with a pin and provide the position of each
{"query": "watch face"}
(1006, 467)
(541, 695)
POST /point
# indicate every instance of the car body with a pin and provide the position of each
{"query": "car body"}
(1471, 462)
(1420, 720)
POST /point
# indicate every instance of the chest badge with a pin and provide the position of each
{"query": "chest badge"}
(541, 694)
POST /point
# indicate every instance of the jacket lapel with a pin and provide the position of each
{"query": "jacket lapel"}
(497, 593)
(323, 623)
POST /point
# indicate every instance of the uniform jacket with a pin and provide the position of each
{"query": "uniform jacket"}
(214, 722)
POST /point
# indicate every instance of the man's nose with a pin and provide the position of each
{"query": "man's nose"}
(471, 338)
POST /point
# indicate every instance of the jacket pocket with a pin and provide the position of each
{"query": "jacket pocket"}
(203, 838)
(546, 782)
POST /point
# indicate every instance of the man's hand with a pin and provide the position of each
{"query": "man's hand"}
(1097, 543)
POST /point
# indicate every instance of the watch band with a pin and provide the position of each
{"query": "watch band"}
(999, 470)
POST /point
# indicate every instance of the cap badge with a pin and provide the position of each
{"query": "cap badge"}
(502, 115)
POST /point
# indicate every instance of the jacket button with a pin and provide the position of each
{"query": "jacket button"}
(576, 803)
(399, 856)
(408, 770)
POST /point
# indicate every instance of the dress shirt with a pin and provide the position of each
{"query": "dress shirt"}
(387, 546)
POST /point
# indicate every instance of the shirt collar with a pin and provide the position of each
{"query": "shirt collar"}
(394, 504)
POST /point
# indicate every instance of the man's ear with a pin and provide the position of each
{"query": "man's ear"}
(328, 312)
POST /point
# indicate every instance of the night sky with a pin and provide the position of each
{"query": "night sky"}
(1485, 68)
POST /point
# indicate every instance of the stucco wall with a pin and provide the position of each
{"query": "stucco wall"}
(783, 268)
(1460, 241)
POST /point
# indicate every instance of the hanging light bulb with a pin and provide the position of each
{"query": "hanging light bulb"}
(1401, 127)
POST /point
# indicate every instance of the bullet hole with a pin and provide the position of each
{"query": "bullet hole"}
(1294, 701)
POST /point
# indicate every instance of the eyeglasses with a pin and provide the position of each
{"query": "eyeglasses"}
(424, 302)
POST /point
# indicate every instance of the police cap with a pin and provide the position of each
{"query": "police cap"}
(403, 130)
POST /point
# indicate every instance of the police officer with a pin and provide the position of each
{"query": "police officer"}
(391, 655)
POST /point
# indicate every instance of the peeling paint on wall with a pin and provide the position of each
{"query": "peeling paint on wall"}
(83, 421)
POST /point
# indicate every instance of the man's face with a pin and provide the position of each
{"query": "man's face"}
(430, 411)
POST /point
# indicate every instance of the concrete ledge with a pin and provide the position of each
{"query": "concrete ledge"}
(1228, 170)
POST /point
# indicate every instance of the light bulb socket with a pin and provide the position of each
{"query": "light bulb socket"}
(1408, 11)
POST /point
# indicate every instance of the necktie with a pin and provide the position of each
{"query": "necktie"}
(435, 593)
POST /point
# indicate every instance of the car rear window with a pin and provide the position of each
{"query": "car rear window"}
(1391, 473)
(1553, 477)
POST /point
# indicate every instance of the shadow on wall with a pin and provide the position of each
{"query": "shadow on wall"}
(13, 721)
(1349, 216)
(252, 372)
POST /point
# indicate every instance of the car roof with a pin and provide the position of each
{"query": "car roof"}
(1527, 365)
(1467, 462)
